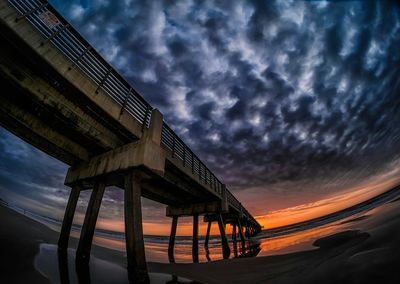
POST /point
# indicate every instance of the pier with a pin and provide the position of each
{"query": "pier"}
(61, 96)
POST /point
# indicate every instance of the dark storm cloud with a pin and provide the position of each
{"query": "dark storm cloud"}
(27, 172)
(263, 91)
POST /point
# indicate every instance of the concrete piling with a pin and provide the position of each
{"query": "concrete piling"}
(68, 217)
(89, 224)
(172, 239)
(207, 235)
(225, 245)
(234, 240)
(137, 267)
(242, 238)
(195, 244)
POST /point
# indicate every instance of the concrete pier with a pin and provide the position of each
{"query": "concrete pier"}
(107, 137)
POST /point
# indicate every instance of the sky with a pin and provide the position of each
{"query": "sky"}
(294, 105)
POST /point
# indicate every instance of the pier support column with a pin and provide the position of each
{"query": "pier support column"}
(207, 240)
(89, 224)
(68, 217)
(234, 239)
(225, 245)
(242, 239)
(172, 239)
(195, 245)
(137, 267)
(207, 235)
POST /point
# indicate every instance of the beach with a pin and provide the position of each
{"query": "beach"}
(361, 248)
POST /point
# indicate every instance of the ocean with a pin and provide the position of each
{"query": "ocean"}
(292, 238)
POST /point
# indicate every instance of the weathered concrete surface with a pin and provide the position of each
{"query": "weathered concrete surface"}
(145, 153)
(137, 154)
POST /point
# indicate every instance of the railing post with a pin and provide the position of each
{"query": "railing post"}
(192, 163)
(76, 61)
(214, 183)
(53, 35)
(103, 80)
(184, 156)
(173, 145)
(199, 170)
(125, 102)
(31, 11)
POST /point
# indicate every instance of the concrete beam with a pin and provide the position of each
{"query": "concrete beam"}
(192, 209)
(143, 153)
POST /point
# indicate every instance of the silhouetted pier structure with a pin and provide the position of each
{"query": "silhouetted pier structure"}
(61, 96)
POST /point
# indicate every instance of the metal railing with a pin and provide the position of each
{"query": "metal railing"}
(58, 31)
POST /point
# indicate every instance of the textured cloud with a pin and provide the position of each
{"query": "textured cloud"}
(265, 92)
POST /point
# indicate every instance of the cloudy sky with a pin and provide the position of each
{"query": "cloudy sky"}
(292, 104)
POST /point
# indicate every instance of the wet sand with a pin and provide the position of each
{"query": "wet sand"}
(363, 249)
(20, 239)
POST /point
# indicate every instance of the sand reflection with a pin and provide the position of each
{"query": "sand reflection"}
(61, 268)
